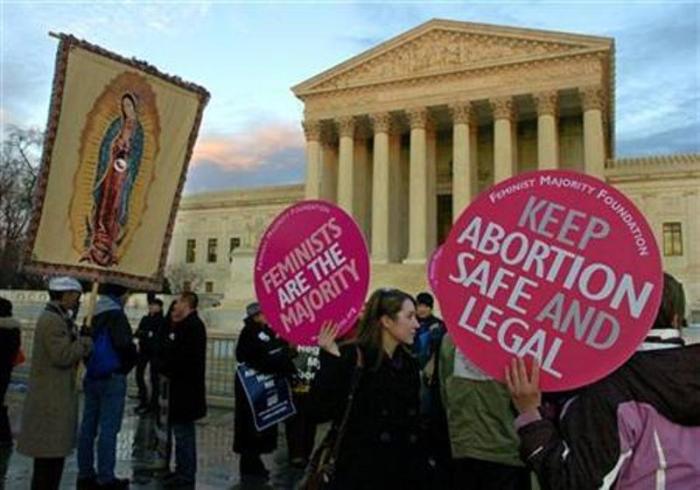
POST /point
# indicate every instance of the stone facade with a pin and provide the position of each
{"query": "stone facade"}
(447, 109)
(406, 134)
(236, 220)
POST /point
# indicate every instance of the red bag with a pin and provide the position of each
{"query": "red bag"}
(19, 358)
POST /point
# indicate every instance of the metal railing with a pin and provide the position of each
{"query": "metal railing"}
(220, 365)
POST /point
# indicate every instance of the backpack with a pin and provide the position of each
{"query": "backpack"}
(104, 360)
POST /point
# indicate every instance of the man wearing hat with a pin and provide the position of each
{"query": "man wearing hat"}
(50, 414)
(261, 349)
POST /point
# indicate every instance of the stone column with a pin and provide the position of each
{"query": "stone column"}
(314, 167)
(381, 188)
(504, 142)
(593, 102)
(547, 132)
(464, 164)
(329, 163)
(362, 195)
(422, 223)
(346, 164)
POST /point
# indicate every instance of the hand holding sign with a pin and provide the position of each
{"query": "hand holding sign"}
(553, 265)
(312, 267)
(326, 338)
(524, 388)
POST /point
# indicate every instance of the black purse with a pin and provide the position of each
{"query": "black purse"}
(321, 469)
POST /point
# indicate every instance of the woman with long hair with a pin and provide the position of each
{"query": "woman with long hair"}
(381, 445)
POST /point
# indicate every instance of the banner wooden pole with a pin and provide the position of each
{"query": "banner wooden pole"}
(91, 304)
(92, 300)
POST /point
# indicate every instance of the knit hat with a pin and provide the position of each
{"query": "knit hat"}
(65, 283)
(425, 299)
(252, 309)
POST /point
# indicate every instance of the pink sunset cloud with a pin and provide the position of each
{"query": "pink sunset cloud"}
(247, 150)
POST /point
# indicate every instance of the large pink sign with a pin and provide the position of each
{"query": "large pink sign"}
(312, 266)
(551, 265)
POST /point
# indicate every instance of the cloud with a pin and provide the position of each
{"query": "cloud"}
(283, 167)
(683, 139)
(249, 149)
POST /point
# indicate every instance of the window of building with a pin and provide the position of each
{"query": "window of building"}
(673, 239)
(211, 250)
(190, 254)
(234, 244)
(209, 287)
(187, 286)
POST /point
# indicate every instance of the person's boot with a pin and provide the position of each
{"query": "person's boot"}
(116, 484)
(86, 484)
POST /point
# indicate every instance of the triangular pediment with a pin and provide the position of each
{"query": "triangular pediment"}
(441, 46)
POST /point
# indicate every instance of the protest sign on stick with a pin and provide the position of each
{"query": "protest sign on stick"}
(552, 265)
(312, 266)
(119, 139)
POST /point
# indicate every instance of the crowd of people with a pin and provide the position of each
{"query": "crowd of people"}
(391, 404)
(100, 355)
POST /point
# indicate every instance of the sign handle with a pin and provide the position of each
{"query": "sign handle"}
(91, 304)
(92, 300)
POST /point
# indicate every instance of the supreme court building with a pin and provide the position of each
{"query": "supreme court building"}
(405, 135)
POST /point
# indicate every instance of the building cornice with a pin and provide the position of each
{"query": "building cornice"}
(261, 196)
(680, 166)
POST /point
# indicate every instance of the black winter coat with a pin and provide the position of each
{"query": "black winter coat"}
(150, 330)
(383, 447)
(10, 339)
(184, 364)
(260, 348)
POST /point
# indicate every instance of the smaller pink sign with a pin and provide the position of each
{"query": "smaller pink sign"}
(552, 265)
(312, 266)
(433, 269)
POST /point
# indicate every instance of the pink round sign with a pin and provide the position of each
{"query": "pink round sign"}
(312, 266)
(551, 265)
(433, 269)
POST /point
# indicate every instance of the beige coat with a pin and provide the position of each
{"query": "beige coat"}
(50, 414)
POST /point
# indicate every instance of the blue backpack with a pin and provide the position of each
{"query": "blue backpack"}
(104, 359)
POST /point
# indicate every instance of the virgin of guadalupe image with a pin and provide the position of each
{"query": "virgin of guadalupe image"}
(119, 159)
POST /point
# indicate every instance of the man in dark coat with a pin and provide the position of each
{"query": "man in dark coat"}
(150, 330)
(184, 363)
(261, 349)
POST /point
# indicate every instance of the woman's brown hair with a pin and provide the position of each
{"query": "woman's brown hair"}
(382, 302)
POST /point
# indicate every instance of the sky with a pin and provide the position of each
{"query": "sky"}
(248, 55)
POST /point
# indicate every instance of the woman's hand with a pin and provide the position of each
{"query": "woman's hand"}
(524, 390)
(326, 338)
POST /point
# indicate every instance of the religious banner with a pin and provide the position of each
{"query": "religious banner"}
(312, 266)
(269, 397)
(553, 265)
(119, 139)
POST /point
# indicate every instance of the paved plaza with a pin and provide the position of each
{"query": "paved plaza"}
(217, 464)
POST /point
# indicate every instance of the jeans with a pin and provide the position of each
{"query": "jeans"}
(185, 450)
(103, 412)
